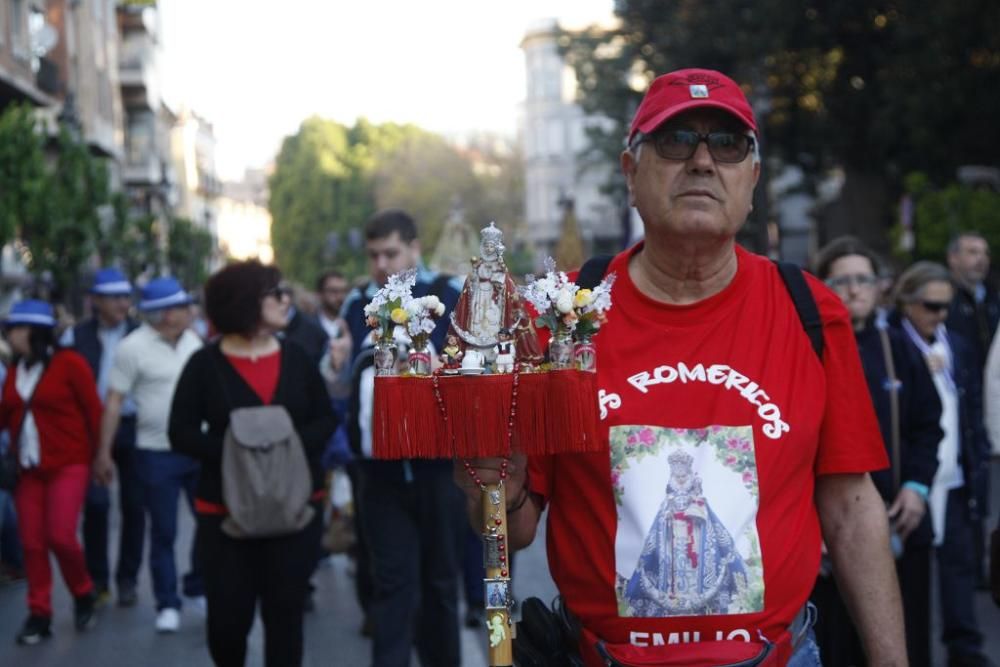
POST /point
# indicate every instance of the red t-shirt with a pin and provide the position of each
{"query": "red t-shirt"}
(698, 522)
(261, 374)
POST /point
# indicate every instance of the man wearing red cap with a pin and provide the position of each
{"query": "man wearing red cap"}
(734, 451)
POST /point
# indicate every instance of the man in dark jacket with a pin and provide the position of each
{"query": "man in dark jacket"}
(974, 314)
(975, 310)
(96, 339)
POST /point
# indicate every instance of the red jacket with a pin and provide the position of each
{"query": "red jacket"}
(66, 407)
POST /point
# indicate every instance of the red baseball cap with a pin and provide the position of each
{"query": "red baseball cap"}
(685, 89)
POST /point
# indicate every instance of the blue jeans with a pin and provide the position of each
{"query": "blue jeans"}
(807, 653)
(163, 476)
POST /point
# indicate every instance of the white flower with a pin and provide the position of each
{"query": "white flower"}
(439, 309)
(564, 302)
(430, 302)
(414, 307)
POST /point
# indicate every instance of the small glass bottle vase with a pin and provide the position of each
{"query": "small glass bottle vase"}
(585, 355)
(561, 350)
(385, 356)
(419, 360)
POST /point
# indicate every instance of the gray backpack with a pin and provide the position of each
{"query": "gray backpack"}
(266, 482)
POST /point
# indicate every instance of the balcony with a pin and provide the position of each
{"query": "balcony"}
(137, 73)
(142, 171)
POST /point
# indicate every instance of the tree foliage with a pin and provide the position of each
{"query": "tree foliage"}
(189, 249)
(330, 178)
(23, 174)
(941, 213)
(878, 88)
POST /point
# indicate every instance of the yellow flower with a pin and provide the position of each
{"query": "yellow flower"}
(399, 315)
(583, 298)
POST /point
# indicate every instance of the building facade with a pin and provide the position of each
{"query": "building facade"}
(554, 138)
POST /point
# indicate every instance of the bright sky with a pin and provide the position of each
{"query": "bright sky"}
(257, 68)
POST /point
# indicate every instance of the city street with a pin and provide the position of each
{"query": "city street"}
(126, 636)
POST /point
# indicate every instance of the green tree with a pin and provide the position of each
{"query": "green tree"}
(329, 179)
(873, 87)
(129, 241)
(941, 213)
(189, 250)
(23, 175)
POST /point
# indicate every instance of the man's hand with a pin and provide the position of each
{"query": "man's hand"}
(103, 470)
(525, 511)
(907, 511)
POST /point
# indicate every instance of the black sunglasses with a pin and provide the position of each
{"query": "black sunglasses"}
(934, 306)
(278, 292)
(727, 147)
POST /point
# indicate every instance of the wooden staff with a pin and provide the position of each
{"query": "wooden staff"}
(498, 594)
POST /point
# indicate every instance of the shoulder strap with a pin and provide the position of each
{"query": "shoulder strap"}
(890, 368)
(804, 302)
(16, 437)
(593, 270)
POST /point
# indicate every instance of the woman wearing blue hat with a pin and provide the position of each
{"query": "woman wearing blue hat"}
(51, 407)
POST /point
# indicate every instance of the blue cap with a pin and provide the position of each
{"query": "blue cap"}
(161, 293)
(111, 282)
(31, 311)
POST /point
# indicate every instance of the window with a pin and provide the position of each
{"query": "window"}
(19, 29)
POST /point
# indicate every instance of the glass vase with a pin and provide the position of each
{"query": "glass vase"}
(561, 350)
(385, 356)
(585, 355)
(419, 359)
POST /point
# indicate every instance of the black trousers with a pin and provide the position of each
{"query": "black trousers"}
(957, 579)
(97, 511)
(411, 529)
(239, 574)
(839, 644)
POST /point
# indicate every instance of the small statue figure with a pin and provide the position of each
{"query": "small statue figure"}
(451, 356)
(504, 351)
(489, 302)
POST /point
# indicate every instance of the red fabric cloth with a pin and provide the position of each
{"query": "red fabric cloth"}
(733, 382)
(260, 373)
(66, 407)
(48, 506)
(556, 412)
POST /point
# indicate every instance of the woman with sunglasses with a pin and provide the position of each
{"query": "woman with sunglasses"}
(908, 409)
(250, 367)
(922, 296)
(51, 407)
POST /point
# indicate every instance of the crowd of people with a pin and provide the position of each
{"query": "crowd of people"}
(776, 458)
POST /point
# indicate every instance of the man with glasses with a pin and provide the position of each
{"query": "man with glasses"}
(909, 413)
(704, 359)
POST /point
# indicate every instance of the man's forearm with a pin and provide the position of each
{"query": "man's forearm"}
(856, 532)
(110, 419)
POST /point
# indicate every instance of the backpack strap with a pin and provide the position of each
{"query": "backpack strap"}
(805, 303)
(593, 270)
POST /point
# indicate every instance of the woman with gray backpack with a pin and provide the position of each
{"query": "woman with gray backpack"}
(268, 418)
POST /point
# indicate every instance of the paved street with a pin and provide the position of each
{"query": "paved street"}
(126, 636)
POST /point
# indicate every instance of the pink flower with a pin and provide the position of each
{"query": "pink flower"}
(733, 443)
(716, 428)
(730, 460)
(745, 445)
(615, 477)
(747, 477)
(646, 436)
(632, 439)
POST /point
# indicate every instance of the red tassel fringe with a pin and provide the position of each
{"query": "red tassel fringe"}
(556, 414)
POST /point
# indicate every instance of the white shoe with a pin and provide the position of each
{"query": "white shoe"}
(168, 620)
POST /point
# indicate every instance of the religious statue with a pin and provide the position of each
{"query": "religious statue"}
(689, 565)
(490, 302)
